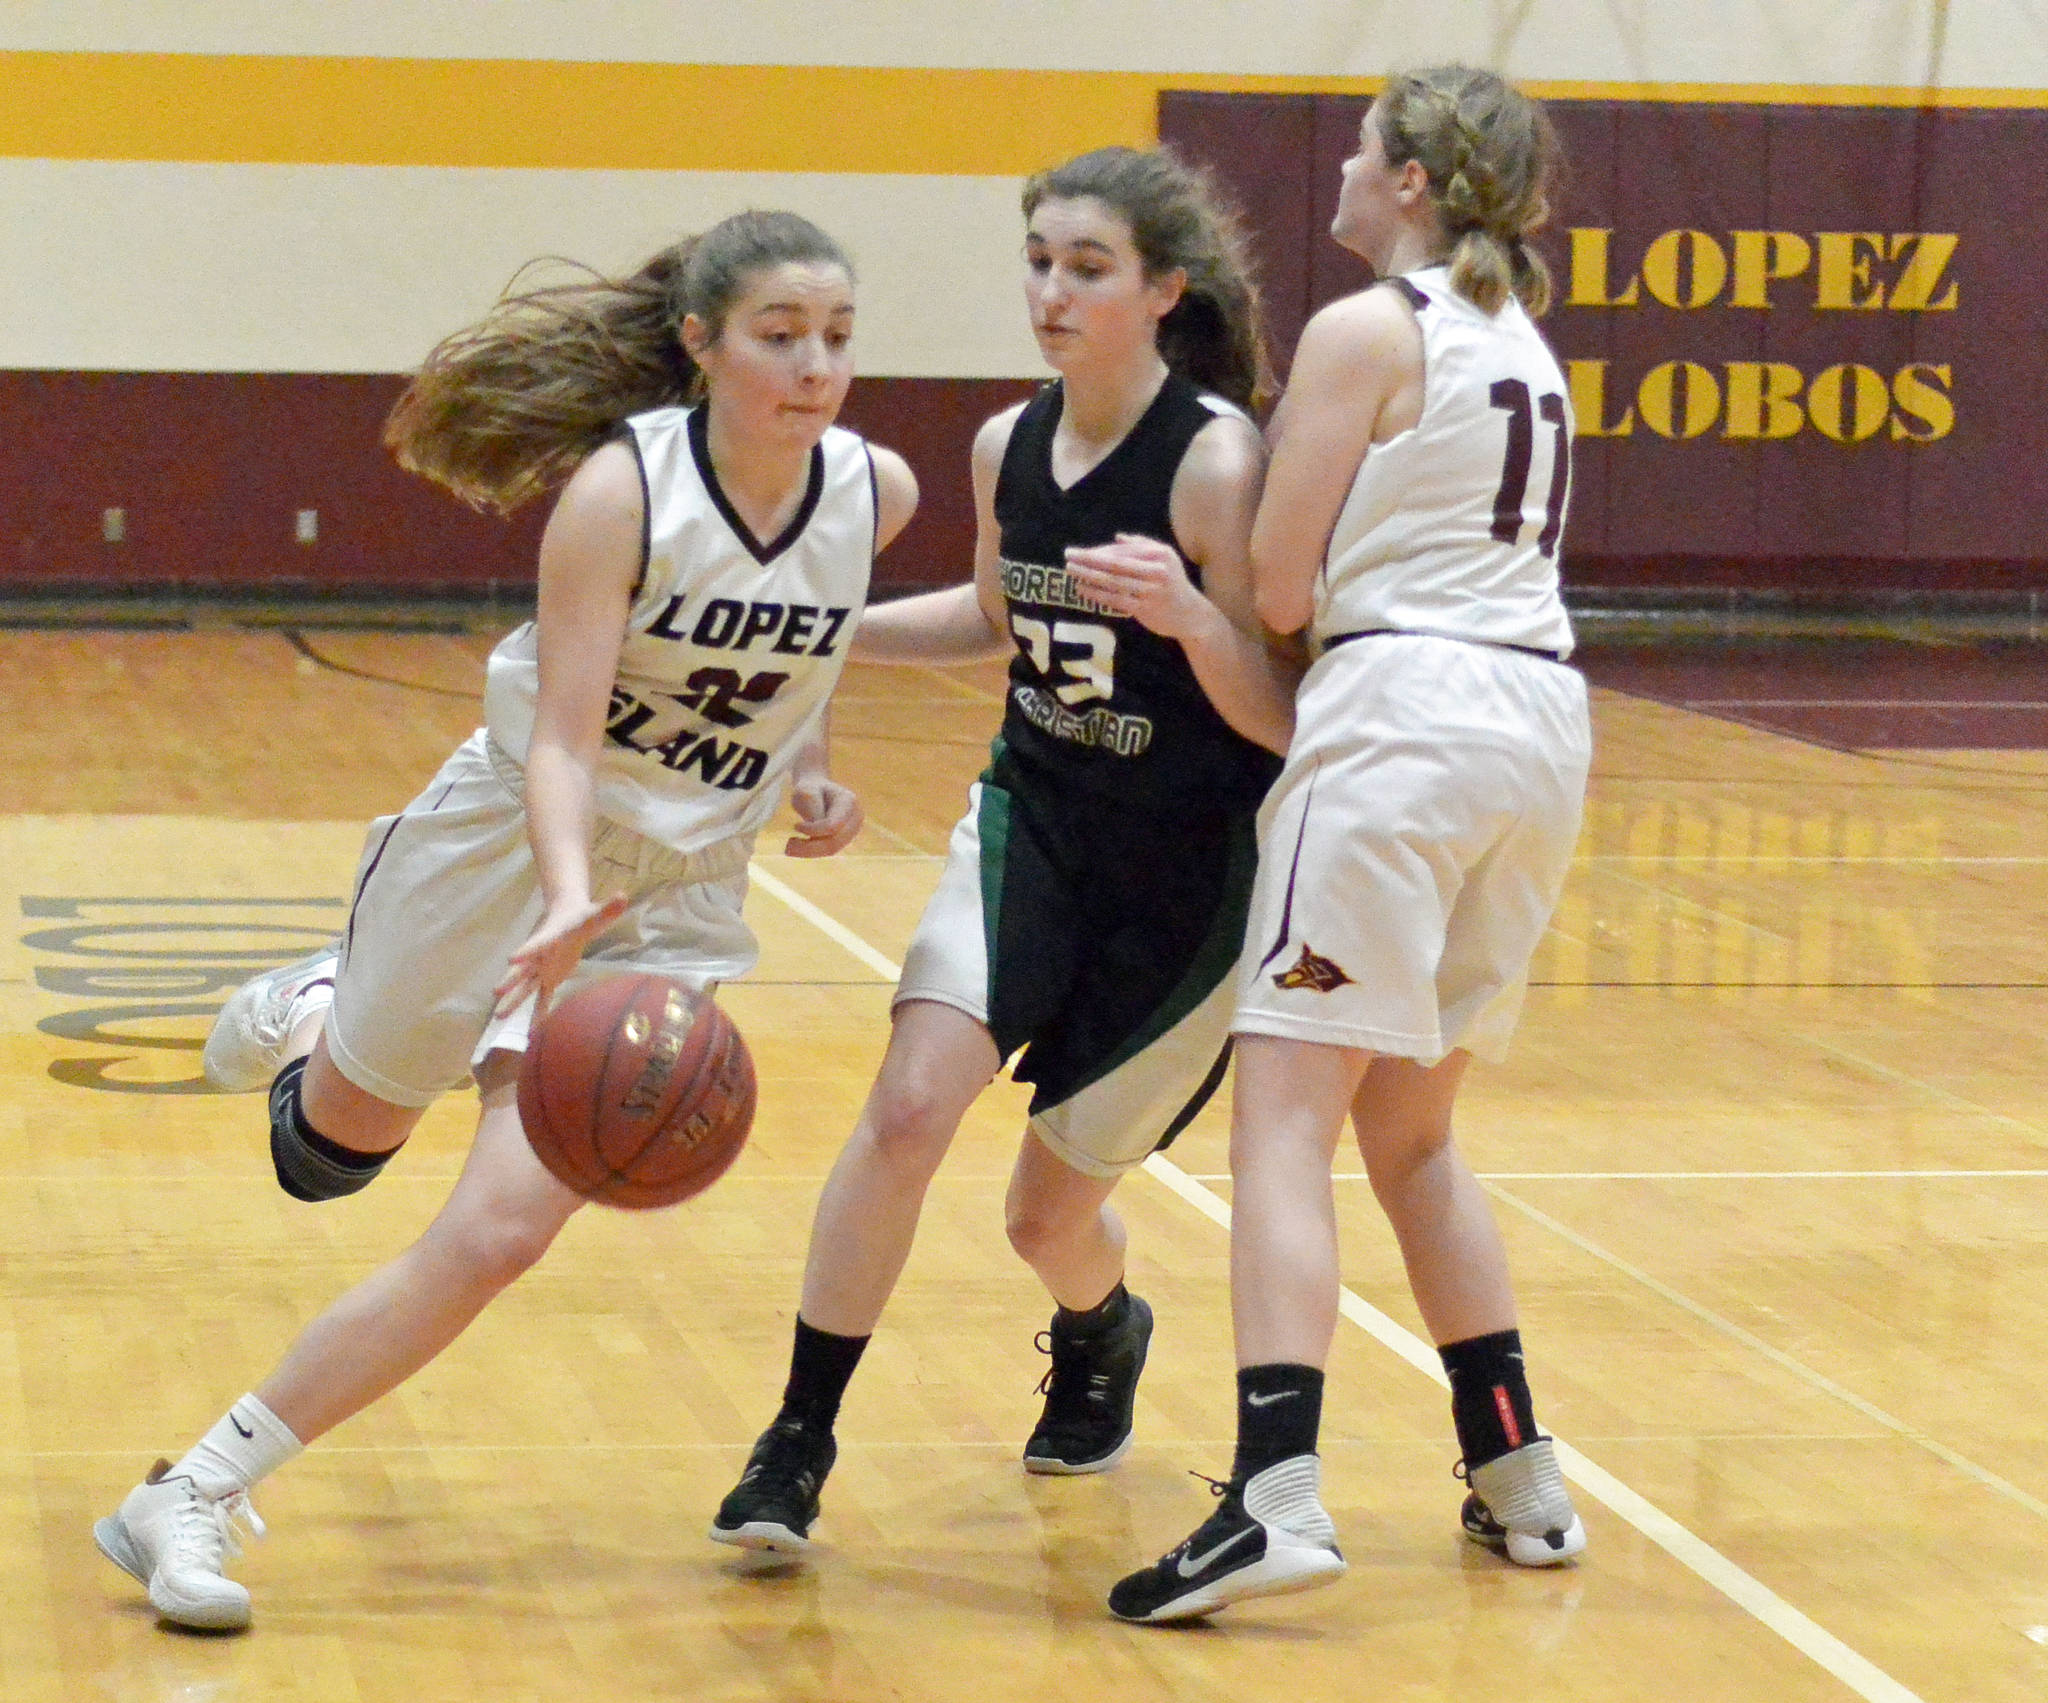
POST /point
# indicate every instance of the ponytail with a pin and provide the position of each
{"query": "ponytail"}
(1491, 155)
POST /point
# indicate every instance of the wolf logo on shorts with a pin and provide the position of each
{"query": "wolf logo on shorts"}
(1316, 974)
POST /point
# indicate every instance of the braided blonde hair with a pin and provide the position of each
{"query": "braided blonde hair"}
(1491, 154)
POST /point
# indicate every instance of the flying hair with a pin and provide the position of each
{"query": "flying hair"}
(509, 407)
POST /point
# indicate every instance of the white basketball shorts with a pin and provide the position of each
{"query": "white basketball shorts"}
(447, 890)
(1414, 847)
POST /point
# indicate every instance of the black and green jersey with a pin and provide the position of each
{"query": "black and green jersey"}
(1117, 838)
(1098, 706)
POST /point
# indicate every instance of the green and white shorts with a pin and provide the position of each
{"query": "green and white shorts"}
(1102, 942)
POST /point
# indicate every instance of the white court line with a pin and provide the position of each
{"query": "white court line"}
(1777, 1357)
(1749, 1593)
(1933, 1090)
(829, 926)
(1683, 1176)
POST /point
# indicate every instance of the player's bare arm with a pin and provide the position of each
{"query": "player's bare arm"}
(589, 558)
(1356, 381)
(962, 623)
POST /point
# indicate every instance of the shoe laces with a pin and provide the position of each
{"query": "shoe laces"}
(785, 1449)
(207, 1531)
(1204, 1536)
(1068, 1385)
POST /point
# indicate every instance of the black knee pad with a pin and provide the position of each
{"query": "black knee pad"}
(308, 1165)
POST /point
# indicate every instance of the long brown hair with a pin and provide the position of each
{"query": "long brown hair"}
(510, 406)
(1215, 335)
(1492, 156)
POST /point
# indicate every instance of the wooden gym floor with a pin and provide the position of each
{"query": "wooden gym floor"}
(1771, 1155)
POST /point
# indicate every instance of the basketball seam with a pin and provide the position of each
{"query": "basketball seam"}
(612, 1175)
(661, 1128)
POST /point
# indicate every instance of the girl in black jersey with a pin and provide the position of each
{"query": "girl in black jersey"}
(1093, 903)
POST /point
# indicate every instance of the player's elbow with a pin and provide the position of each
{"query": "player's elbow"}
(1282, 608)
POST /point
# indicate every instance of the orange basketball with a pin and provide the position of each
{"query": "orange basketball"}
(637, 1092)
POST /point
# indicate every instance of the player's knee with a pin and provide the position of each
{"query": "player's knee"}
(309, 1166)
(1394, 1153)
(909, 1124)
(494, 1252)
(1034, 1230)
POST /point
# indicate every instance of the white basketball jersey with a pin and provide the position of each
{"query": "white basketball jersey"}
(732, 646)
(1453, 526)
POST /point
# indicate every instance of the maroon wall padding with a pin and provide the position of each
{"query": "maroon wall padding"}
(931, 423)
(211, 470)
(1265, 138)
(1723, 510)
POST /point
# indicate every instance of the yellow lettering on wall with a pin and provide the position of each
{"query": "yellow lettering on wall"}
(1921, 393)
(1661, 268)
(1589, 273)
(1588, 381)
(1927, 254)
(1673, 385)
(1763, 400)
(1849, 402)
(1760, 257)
(1842, 278)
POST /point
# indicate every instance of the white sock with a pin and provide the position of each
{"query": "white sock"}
(246, 1444)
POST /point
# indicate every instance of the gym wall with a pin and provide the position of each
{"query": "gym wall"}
(233, 223)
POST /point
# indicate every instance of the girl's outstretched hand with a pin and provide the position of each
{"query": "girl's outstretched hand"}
(828, 816)
(552, 951)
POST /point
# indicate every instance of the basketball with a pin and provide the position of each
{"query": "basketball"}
(636, 1091)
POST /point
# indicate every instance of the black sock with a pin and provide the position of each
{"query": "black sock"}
(1106, 1314)
(820, 1367)
(1279, 1412)
(1490, 1402)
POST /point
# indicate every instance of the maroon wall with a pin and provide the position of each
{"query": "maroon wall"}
(1760, 496)
(211, 470)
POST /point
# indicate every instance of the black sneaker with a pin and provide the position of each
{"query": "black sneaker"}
(1089, 1393)
(776, 1499)
(1269, 1536)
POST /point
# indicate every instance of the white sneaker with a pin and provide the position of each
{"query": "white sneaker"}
(175, 1540)
(245, 1049)
(1269, 1536)
(1520, 1507)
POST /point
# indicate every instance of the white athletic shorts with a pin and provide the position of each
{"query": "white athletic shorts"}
(1414, 847)
(447, 890)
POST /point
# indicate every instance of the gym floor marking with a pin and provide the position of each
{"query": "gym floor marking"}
(1777, 1357)
(1757, 1599)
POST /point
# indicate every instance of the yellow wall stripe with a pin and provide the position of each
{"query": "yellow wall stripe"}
(263, 109)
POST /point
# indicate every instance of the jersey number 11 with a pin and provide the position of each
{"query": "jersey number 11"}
(1512, 395)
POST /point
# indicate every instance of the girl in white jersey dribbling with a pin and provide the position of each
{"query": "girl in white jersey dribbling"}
(1415, 844)
(700, 578)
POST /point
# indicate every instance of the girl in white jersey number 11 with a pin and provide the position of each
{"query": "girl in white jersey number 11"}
(1416, 842)
(700, 579)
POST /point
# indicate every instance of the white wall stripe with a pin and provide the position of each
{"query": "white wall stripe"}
(1988, 42)
(1757, 1599)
